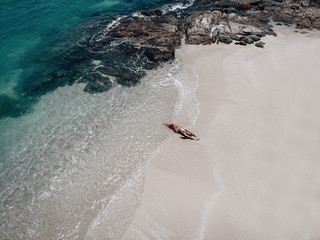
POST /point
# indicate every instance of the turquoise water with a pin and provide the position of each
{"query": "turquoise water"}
(66, 152)
(34, 34)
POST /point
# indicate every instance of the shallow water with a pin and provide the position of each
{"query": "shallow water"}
(76, 150)
(65, 153)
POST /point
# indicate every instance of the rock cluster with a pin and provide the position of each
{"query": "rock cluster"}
(241, 22)
(216, 26)
(245, 23)
(305, 14)
(144, 41)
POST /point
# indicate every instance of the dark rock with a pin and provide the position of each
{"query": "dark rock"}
(260, 44)
(257, 5)
(158, 55)
(158, 12)
(261, 34)
(304, 23)
(246, 39)
(247, 30)
(207, 27)
(254, 38)
(96, 83)
(226, 4)
(152, 13)
(200, 39)
(241, 43)
(203, 2)
(269, 31)
(138, 32)
(304, 4)
(302, 13)
(157, 37)
(235, 37)
(224, 39)
(316, 24)
(294, 6)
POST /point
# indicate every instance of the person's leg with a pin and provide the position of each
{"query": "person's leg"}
(171, 125)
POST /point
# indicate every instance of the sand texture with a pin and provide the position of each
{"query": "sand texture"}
(255, 172)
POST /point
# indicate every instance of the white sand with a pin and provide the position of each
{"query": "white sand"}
(255, 173)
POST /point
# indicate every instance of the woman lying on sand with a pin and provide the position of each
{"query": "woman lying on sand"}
(181, 130)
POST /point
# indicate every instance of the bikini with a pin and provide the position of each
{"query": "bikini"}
(183, 130)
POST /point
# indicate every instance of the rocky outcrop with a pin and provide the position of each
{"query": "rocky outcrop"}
(155, 36)
(241, 22)
(216, 26)
(305, 14)
(141, 42)
(246, 22)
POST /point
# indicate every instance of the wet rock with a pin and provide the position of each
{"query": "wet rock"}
(96, 83)
(157, 37)
(152, 13)
(158, 55)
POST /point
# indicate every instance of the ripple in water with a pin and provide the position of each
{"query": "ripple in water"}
(66, 161)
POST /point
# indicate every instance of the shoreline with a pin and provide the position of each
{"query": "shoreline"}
(79, 138)
(240, 180)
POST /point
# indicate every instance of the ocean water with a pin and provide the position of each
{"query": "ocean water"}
(67, 148)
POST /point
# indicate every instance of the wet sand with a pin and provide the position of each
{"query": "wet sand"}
(255, 172)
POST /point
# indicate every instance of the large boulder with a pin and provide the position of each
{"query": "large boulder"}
(217, 26)
(157, 37)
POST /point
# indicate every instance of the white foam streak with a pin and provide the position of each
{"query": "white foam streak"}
(175, 7)
(113, 24)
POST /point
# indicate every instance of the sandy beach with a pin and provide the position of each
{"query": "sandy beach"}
(254, 173)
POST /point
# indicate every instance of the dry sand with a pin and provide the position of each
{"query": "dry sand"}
(255, 172)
